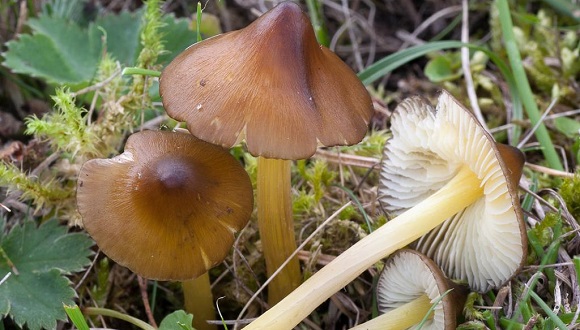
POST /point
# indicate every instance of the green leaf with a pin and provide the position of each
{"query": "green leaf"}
(122, 35)
(61, 52)
(568, 126)
(57, 51)
(443, 68)
(47, 247)
(35, 299)
(177, 36)
(178, 320)
(35, 291)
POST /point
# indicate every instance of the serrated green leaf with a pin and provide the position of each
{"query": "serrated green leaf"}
(58, 51)
(178, 320)
(35, 291)
(35, 299)
(47, 247)
(61, 52)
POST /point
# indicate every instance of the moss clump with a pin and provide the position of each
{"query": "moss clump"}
(570, 191)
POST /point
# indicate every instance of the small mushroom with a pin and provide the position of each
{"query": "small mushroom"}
(168, 207)
(272, 85)
(430, 141)
(407, 287)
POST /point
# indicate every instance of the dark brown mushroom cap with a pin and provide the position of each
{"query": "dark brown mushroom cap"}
(486, 243)
(408, 275)
(270, 83)
(168, 207)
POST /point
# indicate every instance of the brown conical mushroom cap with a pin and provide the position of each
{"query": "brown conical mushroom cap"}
(486, 243)
(408, 275)
(270, 83)
(168, 207)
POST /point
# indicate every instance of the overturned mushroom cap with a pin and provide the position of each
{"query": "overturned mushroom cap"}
(485, 244)
(168, 207)
(270, 83)
(407, 276)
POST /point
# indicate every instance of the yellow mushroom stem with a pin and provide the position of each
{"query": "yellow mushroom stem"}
(198, 301)
(460, 192)
(276, 225)
(400, 318)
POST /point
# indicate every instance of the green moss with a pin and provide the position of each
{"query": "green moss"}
(570, 191)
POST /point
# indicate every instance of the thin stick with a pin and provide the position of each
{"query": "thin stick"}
(537, 125)
(5, 278)
(465, 65)
(145, 297)
(98, 85)
(549, 171)
(347, 159)
(86, 274)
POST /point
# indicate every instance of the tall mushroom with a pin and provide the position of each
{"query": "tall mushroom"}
(273, 85)
(407, 287)
(167, 207)
(446, 137)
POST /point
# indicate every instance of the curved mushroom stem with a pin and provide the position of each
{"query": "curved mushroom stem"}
(276, 226)
(400, 318)
(458, 193)
(198, 300)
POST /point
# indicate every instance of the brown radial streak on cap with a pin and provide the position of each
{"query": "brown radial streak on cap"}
(165, 204)
(270, 83)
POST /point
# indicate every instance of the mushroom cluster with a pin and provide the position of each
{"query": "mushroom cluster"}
(272, 85)
(445, 141)
(449, 172)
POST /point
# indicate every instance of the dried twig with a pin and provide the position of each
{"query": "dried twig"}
(145, 297)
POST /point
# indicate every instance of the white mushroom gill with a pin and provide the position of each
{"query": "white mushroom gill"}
(419, 163)
(406, 278)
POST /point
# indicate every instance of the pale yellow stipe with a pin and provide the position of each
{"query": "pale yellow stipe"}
(400, 318)
(458, 193)
(199, 302)
(276, 225)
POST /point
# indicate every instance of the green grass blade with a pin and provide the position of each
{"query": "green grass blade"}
(76, 317)
(566, 7)
(523, 85)
(398, 59)
(315, 13)
(358, 204)
(198, 21)
(548, 311)
(430, 311)
(576, 261)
